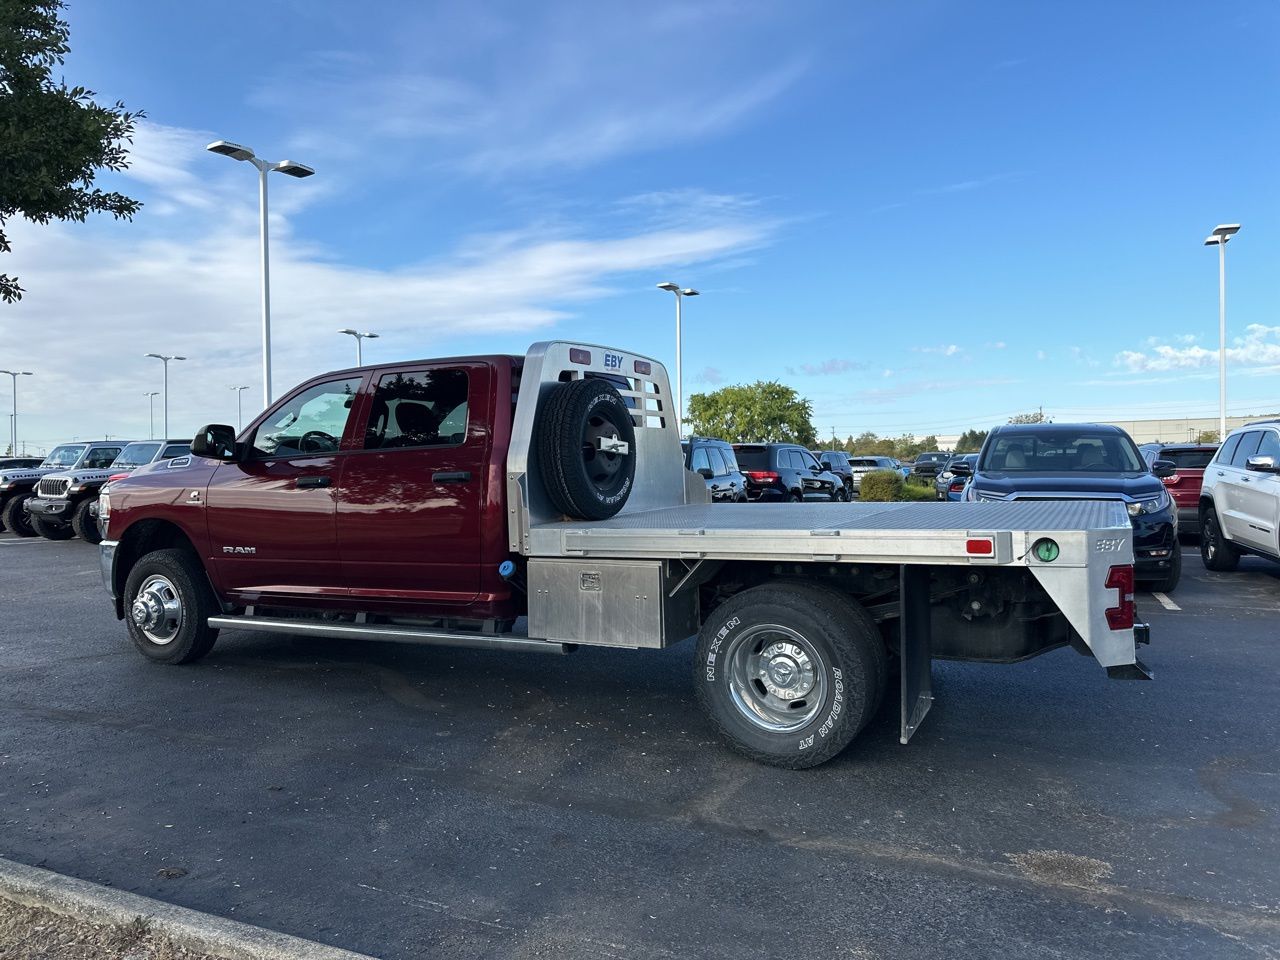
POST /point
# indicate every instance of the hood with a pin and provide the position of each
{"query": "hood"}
(1133, 485)
(81, 476)
(25, 473)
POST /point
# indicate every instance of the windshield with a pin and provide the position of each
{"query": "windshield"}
(65, 455)
(864, 462)
(932, 457)
(1062, 451)
(136, 454)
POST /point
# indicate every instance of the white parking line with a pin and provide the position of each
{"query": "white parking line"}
(1165, 601)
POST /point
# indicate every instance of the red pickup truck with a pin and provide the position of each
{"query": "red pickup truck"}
(541, 502)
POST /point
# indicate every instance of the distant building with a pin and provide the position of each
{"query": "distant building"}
(1180, 429)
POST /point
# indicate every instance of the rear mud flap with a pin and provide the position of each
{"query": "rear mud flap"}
(915, 624)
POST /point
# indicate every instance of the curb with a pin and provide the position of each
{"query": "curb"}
(33, 887)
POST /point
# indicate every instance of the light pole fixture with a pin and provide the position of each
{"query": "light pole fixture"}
(1221, 234)
(151, 396)
(13, 421)
(359, 336)
(680, 295)
(239, 421)
(237, 151)
(165, 360)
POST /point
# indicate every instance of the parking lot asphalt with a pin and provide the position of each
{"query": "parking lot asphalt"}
(416, 802)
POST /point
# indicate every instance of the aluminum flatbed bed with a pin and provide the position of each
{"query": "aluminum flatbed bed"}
(927, 533)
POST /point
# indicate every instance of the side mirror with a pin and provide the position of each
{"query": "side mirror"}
(1164, 468)
(215, 441)
(819, 469)
(1262, 464)
(706, 473)
(961, 469)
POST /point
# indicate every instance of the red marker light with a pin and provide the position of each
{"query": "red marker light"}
(578, 355)
(643, 367)
(980, 548)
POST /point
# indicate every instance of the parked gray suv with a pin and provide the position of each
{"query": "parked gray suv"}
(64, 503)
(18, 486)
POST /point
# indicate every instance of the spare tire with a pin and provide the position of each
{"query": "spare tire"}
(586, 444)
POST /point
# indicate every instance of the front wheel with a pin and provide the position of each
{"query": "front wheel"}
(168, 603)
(84, 523)
(838, 495)
(1215, 551)
(789, 673)
(50, 530)
(16, 520)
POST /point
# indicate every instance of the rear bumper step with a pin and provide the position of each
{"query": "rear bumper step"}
(393, 632)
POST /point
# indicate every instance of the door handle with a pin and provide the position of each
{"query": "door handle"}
(1221, 474)
(311, 483)
(451, 476)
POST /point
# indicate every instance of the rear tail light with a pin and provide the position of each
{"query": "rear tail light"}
(1172, 481)
(116, 476)
(762, 476)
(1122, 616)
(957, 486)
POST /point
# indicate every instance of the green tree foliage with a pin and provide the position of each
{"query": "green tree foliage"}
(971, 441)
(53, 138)
(1207, 436)
(1036, 416)
(764, 411)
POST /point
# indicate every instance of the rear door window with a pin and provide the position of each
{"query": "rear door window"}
(1226, 451)
(1248, 446)
(716, 456)
(700, 460)
(420, 408)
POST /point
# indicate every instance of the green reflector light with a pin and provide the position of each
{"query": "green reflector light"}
(1046, 550)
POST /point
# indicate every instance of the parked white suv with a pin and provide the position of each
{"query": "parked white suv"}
(1240, 497)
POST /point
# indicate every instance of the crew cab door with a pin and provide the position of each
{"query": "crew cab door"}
(1232, 486)
(272, 516)
(410, 505)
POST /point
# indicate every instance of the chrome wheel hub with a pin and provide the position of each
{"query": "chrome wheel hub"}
(776, 678)
(785, 670)
(157, 610)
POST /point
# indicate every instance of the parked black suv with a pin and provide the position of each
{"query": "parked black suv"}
(786, 472)
(837, 461)
(714, 461)
(1085, 461)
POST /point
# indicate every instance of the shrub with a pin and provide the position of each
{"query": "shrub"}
(881, 486)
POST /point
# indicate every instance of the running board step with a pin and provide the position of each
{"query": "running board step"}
(393, 632)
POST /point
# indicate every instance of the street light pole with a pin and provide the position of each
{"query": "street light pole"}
(13, 422)
(237, 151)
(359, 336)
(239, 420)
(680, 295)
(151, 396)
(1221, 234)
(165, 360)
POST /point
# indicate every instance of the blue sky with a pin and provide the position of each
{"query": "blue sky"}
(925, 217)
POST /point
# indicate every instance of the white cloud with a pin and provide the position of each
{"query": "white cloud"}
(711, 375)
(827, 367)
(1259, 347)
(1041, 355)
(107, 292)
(595, 84)
(946, 349)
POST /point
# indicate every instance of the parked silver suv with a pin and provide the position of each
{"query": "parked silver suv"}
(1240, 497)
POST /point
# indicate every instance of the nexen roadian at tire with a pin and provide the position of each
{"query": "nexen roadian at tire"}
(585, 442)
(789, 672)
